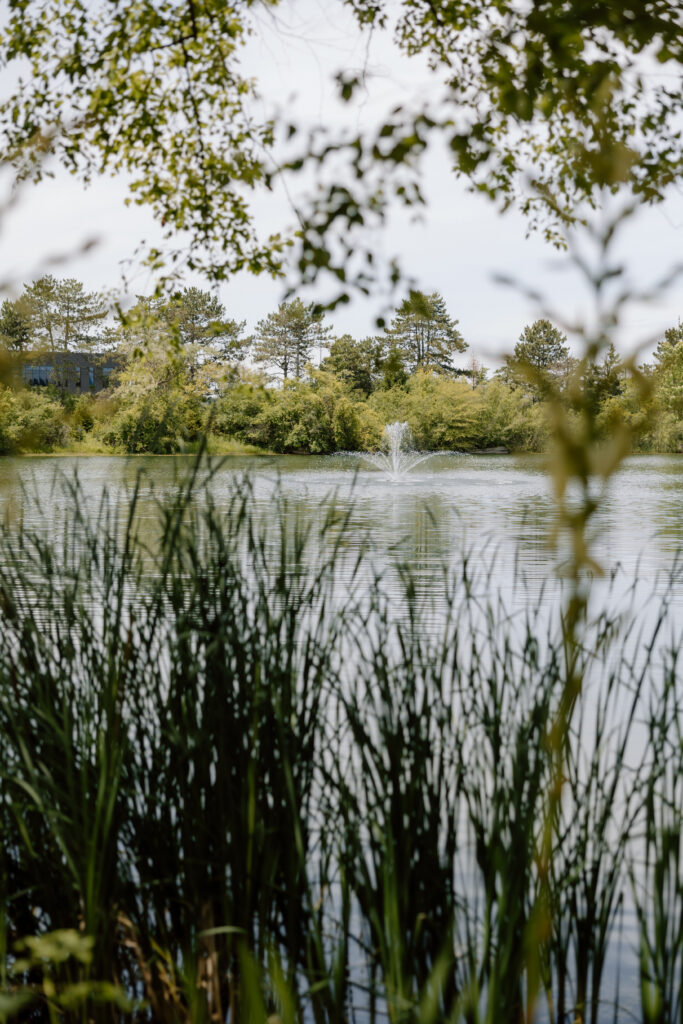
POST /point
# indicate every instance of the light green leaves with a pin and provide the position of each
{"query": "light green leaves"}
(154, 91)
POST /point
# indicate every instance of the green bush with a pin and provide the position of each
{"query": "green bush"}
(441, 412)
(160, 410)
(83, 415)
(158, 424)
(653, 426)
(30, 421)
(506, 418)
(234, 412)
(665, 434)
(297, 419)
(357, 428)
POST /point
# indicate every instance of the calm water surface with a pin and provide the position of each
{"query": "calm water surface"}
(447, 505)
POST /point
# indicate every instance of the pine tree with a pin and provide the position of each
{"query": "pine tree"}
(425, 333)
(540, 357)
(284, 339)
(672, 336)
(604, 379)
(198, 318)
(15, 326)
(63, 316)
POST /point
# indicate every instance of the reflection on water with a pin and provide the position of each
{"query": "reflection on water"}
(451, 504)
(495, 510)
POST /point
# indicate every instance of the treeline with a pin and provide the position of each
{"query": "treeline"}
(184, 368)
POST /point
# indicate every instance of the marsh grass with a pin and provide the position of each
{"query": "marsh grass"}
(253, 798)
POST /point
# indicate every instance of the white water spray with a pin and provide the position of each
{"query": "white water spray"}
(398, 455)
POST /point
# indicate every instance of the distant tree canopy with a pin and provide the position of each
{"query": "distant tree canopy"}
(285, 339)
(55, 314)
(667, 369)
(60, 315)
(424, 332)
(605, 378)
(673, 336)
(540, 356)
(193, 317)
(181, 371)
(15, 326)
(354, 362)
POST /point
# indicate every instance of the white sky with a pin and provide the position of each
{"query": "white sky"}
(458, 246)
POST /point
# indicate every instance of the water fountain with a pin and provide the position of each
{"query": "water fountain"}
(398, 455)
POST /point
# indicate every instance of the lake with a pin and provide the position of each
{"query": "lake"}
(447, 505)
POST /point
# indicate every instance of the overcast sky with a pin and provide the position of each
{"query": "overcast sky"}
(456, 248)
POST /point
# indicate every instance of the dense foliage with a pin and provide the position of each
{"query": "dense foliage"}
(183, 371)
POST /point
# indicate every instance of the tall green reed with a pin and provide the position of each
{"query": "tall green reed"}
(657, 863)
(254, 797)
(160, 712)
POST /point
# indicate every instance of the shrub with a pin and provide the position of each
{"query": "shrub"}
(30, 421)
(234, 412)
(297, 419)
(442, 412)
(507, 418)
(83, 415)
(159, 424)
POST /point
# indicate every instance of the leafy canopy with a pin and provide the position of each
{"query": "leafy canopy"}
(566, 93)
(545, 105)
(152, 90)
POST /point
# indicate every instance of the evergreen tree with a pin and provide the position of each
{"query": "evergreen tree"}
(197, 318)
(393, 368)
(284, 339)
(604, 379)
(425, 333)
(540, 356)
(668, 377)
(668, 370)
(63, 316)
(353, 361)
(15, 326)
(672, 336)
(476, 371)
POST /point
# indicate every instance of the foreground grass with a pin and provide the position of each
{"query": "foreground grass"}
(251, 798)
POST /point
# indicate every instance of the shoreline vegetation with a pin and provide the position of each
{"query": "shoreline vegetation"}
(186, 373)
(211, 446)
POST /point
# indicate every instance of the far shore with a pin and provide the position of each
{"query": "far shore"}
(252, 452)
